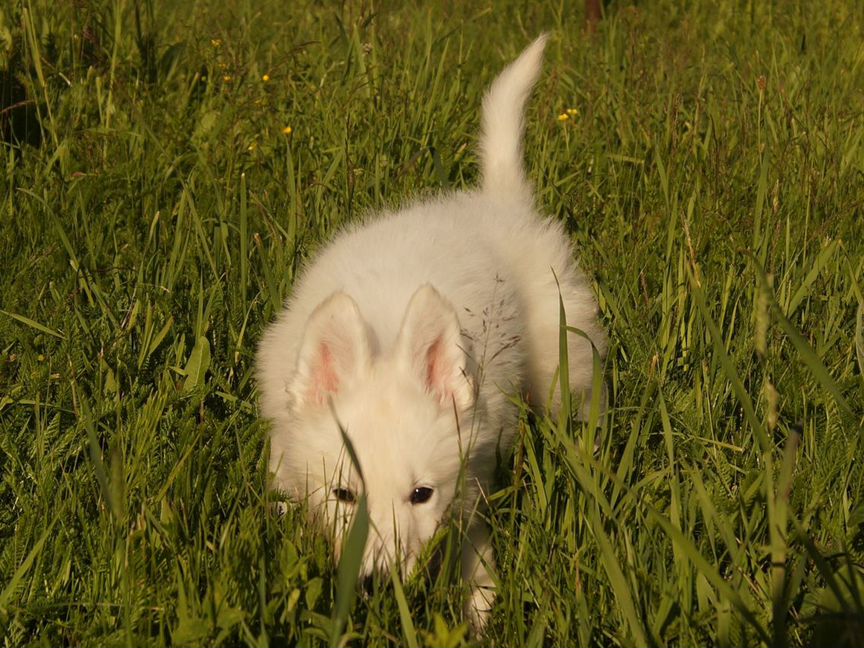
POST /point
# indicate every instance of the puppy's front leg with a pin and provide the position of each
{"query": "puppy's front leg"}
(477, 565)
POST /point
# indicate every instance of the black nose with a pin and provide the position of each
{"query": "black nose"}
(367, 582)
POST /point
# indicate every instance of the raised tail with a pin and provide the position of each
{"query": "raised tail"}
(502, 165)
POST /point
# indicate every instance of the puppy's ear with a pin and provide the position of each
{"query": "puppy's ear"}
(430, 346)
(335, 351)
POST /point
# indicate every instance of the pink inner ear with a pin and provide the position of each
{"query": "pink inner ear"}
(325, 379)
(437, 370)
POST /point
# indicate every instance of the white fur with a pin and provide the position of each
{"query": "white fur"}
(412, 331)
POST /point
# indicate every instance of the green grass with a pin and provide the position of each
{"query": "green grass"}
(153, 215)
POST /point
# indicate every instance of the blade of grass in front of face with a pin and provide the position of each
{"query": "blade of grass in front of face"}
(354, 544)
(348, 571)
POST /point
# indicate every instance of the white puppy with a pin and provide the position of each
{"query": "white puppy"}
(411, 332)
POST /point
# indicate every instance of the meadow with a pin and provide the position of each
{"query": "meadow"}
(167, 169)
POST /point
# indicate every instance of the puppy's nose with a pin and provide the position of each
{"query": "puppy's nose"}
(367, 582)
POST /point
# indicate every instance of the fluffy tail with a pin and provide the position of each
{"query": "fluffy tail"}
(501, 137)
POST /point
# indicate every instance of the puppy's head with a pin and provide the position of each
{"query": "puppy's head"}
(407, 414)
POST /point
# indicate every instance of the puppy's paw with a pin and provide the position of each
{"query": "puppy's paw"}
(478, 608)
(478, 564)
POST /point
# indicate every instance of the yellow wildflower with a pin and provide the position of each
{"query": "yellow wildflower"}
(216, 42)
(265, 78)
(287, 130)
(563, 117)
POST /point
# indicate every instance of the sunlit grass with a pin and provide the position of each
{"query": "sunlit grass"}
(170, 167)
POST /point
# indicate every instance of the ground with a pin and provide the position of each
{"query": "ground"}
(169, 166)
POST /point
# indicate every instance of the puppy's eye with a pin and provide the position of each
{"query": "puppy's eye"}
(344, 495)
(421, 495)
